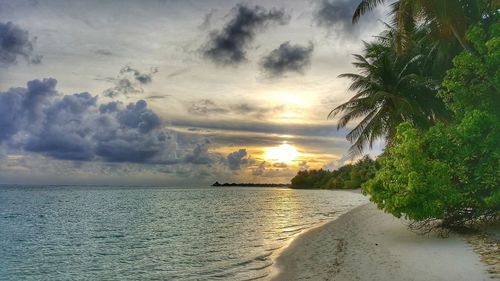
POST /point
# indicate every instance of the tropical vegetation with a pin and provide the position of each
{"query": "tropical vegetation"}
(349, 176)
(391, 89)
(429, 86)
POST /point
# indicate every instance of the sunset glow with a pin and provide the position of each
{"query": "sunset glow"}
(166, 93)
(283, 153)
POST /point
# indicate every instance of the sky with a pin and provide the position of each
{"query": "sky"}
(174, 92)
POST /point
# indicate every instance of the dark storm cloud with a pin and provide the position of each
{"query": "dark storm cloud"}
(62, 133)
(37, 97)
(131, 134)
(73, 127)
(228, 46)
(10, 112)
(206, 107)
(201, 155)
(138, 116)
(236, 159)
(287, 58)
(15, 42)
(129, 81)
(336, 15)
(20, 107)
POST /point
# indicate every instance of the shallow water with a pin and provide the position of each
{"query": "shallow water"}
(104, 233)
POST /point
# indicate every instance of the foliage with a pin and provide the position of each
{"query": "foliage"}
(474, 82)
(448, 20)
(451, 172)
(392, 89)
(346, 177)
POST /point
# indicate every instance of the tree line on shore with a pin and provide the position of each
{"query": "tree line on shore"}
(349, 176)
(429, 85)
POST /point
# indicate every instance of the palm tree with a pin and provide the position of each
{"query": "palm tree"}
(447, 18)
(389, 90)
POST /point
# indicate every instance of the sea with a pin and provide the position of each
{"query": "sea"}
(155, 233)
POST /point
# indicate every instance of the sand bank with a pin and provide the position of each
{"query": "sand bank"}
(366, 244)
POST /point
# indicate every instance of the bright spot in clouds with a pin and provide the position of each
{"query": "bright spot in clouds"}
(284, 153)
(293, 99)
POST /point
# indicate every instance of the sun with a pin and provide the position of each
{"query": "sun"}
(284, 153)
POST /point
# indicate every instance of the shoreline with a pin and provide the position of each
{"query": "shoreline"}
(367, 244)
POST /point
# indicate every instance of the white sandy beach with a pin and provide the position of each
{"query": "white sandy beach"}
(366, 244)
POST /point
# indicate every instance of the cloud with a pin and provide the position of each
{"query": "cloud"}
(336, 16)
(287, 58)
(157, 97)
(20, 107)
(280, 165)
(334, 165)
(276, 170)
(228, 46)
(103, 52)
(236, 159)
(207, 20)
(207, 107)
(143, 78)
(324, 129)
(259, 170)
(129, 81)
(303, 165)
(15, 42)
(201, 155)
(257, 111)
(61, 132)
(73, 127)
(178, 72)
(131, 134)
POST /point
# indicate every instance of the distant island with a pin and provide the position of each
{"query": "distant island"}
(252, 184)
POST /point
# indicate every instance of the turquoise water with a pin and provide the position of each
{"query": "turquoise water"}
(103, 233)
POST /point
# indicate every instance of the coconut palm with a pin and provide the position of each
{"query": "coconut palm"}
(389, 90)
(448, 19)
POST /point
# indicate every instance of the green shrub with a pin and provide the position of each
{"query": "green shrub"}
(451, 172)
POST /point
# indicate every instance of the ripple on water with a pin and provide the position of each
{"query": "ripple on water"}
(84, 233)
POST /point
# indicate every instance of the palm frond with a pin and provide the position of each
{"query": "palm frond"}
(391, 87)
(363, 7)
